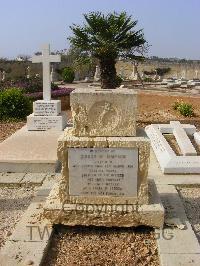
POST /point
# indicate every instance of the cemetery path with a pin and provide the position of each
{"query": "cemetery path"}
(102, 246)
(13, 203)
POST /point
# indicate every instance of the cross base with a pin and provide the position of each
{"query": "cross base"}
(43, 123)
(47, 108)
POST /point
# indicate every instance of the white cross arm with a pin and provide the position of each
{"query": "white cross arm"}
(55, 58)
(41, 58)
(37, 59)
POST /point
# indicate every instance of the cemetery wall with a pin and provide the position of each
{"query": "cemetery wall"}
(18, 69)
(176, 68)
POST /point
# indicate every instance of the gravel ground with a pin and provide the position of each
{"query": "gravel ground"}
(191, 200)
(13, 203)
(7, 129)
(87, 246)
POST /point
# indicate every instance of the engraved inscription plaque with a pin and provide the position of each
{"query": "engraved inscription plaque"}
(103, 172)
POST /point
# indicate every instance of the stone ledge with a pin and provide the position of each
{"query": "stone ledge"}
(179, 247)
(30, 240)
(25, 152)
(11, 179)
(105, 214)
(189, 180)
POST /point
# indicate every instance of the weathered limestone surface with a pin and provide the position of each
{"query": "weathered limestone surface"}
(124, 215)
(104, 165)
(67, 140)
(104, 112)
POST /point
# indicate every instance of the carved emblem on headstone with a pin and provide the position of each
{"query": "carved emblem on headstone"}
(105, 114)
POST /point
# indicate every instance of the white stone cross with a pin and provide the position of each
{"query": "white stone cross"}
(46, 58)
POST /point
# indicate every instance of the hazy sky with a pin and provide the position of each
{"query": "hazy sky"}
(172, 27)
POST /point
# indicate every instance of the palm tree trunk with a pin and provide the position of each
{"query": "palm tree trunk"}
(108, 73)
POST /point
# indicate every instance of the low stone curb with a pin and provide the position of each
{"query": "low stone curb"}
(30, 240)
(21, 179)
(176, 246)
(155, 173)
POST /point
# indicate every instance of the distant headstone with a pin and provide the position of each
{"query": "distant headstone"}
(196, 73)
(53, 74)
(3, 75)
(97, 74)
(86, 79)
(183, 74)
(28, 72)
(77, 76)
(134, 74)
(156, 75)
(47, 113)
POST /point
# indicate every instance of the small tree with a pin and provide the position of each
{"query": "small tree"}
(108, 37)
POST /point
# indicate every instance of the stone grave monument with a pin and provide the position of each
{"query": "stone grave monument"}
(28, 73)
(3, 75)
(105, 164)
(134, 74)
(53, 74)
(196, 74)
(47, 112)
(97, 74)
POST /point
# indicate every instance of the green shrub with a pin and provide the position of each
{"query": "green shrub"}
(184, 109)
(68, 74)
(14, 105)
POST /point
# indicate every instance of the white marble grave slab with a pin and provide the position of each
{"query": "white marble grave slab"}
(182, 139)
(47, 108)
(47, 122)
(197, 137)
(103, 172)
(169, 162)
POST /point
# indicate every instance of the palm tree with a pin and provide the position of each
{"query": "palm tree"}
(108, 37)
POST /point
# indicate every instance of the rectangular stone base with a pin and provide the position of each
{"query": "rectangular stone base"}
(26, 151)
(47, 108)
(109, 215)
(43, 123)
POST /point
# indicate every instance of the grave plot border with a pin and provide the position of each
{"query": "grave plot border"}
(169, 162)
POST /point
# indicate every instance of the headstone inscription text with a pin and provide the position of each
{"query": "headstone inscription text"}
(103, 172)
